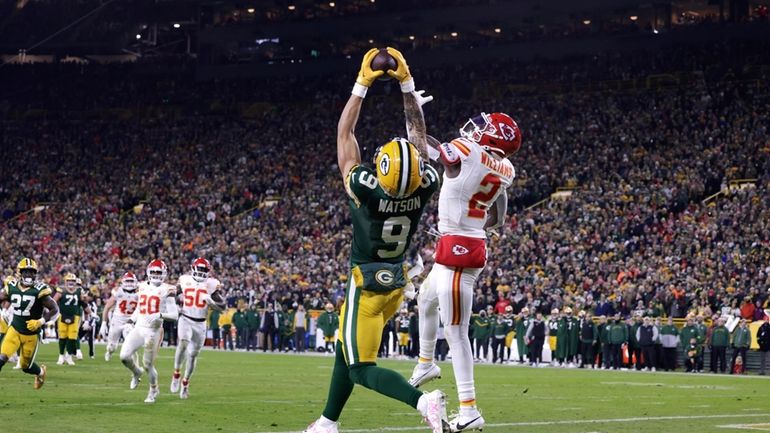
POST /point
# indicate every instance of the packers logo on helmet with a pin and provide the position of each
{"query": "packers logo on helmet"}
(70, 280)
(399, 168)
(27, 270)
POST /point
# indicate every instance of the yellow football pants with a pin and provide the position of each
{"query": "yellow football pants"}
(69, 331)
(14, 341)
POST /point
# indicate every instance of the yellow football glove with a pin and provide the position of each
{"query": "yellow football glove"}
(401, 73)
(34, 325)
(366, 75)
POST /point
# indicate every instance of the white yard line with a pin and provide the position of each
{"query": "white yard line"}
(562, 422)
(760, 427)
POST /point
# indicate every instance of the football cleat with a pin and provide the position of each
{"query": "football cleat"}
(315, 427)
(40, 378)
(432, 406)
(60, 361)
(79, 354)
(175, 383)
(107, 356)
(184, 393)
(470, 420)
(135, 379)
(424, 373)
(152, 394)
(68, 360)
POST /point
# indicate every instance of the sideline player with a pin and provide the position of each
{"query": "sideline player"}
(477, 172)
(199, 292)
(156, 304)
(385, 206)
(33, 306)
(121, 304)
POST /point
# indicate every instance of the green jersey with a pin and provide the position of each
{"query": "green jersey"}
(70, 303)
(27, 304)
(382, 225)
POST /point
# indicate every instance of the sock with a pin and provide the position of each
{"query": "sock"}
(33, 369)
(340, 387)
(192, 361)
(77, 344)
(386, 382)
(71, 346)
(429, 320)
(462, 361)
(62, 345)
(325, 422)
(179, 355)
(176, 373)
(2, 363)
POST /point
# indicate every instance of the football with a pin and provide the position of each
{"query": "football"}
(383, 61)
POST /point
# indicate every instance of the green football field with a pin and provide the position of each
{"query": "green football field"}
(244, 392)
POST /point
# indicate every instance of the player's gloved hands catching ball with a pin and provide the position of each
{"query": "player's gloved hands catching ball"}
(401, 73)
(35, 325)
(366, 75)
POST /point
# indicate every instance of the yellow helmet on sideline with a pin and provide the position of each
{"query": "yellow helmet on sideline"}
(399, 168)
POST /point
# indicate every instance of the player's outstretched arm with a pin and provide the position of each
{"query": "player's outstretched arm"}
(416, 131)
(108, 306)
(52, 309)
(348, 153)
(496, 214)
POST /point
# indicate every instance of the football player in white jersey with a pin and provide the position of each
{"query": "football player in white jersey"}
(121, 304)
(198, 293)
(156, 303)
(472, 200)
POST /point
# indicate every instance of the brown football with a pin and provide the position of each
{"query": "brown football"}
(383, 61)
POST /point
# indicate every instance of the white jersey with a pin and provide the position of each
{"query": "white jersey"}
(194, 295)
(152, 301)
(464, 200)
(125, 304)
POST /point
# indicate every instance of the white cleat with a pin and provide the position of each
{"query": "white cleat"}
(152, 395)
(424, 373)
(184, 393)
(79, 354)
(60, 361)
(68, 360)
(135, 379)
(315, 427)
(471, 420)
(107, 356)
(175, 379)
(432, 406)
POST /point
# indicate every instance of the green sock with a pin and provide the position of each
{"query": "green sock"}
(71, 346)
(33, 369)
(340, 388)
(62, 345)
(386, 382)
(77, 343)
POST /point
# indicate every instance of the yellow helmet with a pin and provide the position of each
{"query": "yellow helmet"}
(27, 264)
(70, 280)
(399, 167)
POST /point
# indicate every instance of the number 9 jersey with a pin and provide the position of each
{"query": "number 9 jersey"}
(383, 225)
(196, 295)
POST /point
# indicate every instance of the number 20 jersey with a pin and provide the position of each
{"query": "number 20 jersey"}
(150, 303)
(464, 200)
(382, 225)
(193, 293)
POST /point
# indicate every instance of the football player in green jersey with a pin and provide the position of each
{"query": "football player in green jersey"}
(386, 203)
(71, 306)
(33, 306)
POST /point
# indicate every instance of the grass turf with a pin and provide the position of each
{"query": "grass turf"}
(244, 392)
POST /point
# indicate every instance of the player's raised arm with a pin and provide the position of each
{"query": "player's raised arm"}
(348, 153)
(413, 101)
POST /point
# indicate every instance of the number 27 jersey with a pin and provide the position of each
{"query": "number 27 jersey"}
(194, 293)
(465, 199)
(383, 225)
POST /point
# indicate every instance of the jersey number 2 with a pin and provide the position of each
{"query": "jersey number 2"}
(482, 200)
(17, 300)
(149, 304)
(192, 297)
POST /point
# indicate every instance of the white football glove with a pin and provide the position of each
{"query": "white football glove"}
(103, 330)
(410, 292)
(422, 100)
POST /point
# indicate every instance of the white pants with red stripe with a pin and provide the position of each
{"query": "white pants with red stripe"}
(147, 338)
(447, 294)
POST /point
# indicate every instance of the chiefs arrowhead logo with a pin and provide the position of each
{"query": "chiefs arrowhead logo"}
(459, 250)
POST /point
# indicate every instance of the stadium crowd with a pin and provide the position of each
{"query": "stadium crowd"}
(99, 192)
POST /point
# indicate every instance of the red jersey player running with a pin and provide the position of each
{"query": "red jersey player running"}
(472, 200)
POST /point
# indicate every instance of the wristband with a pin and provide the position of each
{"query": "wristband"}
(359, 90)
(408, 85)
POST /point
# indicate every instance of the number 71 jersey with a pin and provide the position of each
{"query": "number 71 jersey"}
(194, 294)
(465, 199)
(383, 225)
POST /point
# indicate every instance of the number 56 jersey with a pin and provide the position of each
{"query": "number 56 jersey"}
(383, 225)
(465, 199)
(195, 294)
(152, 300)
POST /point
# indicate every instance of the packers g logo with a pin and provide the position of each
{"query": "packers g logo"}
(384, 164)
(385, 277)
(421, 167)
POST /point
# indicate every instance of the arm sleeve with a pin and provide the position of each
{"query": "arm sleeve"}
(454, 152)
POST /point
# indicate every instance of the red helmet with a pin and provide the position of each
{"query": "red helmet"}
(157, 271)
(200, 269)
(496, 132)
(129, 282)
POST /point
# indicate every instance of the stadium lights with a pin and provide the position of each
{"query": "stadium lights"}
(633, 18)
(453, 34)
(497, 30)
(292, 7)
(250, 10)
(176, 25)
(138, 36)
(587, 22)
(371, 41)
(655, 31)
(332, 4)
(411, 37)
